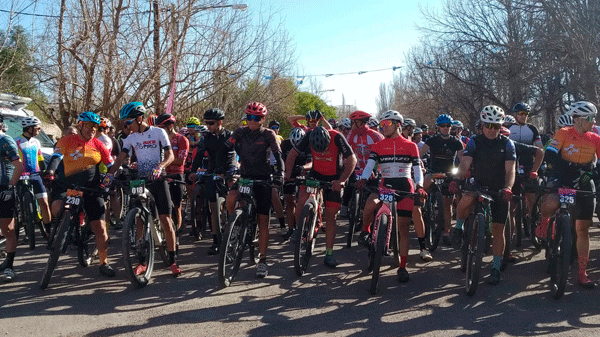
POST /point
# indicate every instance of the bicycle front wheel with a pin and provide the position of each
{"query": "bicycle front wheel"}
(305, 237)
(475, 251)
(353, 221)
(59, 242)
(560, 255)
(436, 220)
(380, 246)
(86, 245)
(138, 248)
(232, 248)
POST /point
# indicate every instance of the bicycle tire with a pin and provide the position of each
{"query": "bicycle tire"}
(86, 245)
(519, 216)
(196, 231)
(507, 244)
(161, 245)
(305, 241)
(464, 248)
(380, 246)
(394, 243)
(560, 256)
(436, 218)
(533, 221)
(252, 241)
(59, 242)
(232, 248)
(142, 250)
(353, 207)
(477, 243)
(221, 207)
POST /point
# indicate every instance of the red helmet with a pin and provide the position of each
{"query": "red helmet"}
(504, 131)
(360, 115)
(256, 108)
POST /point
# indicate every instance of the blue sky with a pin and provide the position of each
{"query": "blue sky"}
(350, 36)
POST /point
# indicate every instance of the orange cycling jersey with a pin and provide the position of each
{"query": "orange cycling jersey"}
(79, 156)
(575, 147)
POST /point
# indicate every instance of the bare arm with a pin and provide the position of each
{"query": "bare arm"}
(118, 162)
(294, 118)
(509, 179)
(465, 163)
(289, 163)
(539, 158)
(423, 151)
(18, 164)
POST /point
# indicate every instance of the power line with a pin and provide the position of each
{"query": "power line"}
(15, 13)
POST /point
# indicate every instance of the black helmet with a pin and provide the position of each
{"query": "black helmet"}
(521, 107)
(313, 114)
(319, 139)
(424, 127)
(165, 119)
(273, 122)
(214, 114)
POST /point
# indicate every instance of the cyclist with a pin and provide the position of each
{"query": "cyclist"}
(180, 146)
(114, 203)
(564, 121)
(81, 155)
(360, 139)
(373, 123)
(193, 135)
(345, 127)
(425, 129)
(443, 149)
(277, 206)
(456, 130)
(509, 121)
(301, 164)
(251, 143)
(571, 157)
(152, 148)
(418, 138)
(408, 128)
(397, 157)
(30, 151)
(313, 117)
(522, 131)
(11, 168)
(220, 161)
(332, 160)
(493, 158)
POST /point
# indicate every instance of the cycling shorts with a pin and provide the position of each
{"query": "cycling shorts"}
(177, 191)
(38, 186)
(498, 207)
(162, 196)
(93, 205)
(7, 208)
(262, 195)
(584, 204)
(405, 205)
(289, 188)
(215, 188)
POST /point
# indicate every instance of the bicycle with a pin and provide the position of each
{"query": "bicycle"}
(143, 233)
(434, 211)
(533, 219)
(200, 193)
(384, 232)
(71, 229)
(310, 223)
(355, 209)
(241, 232)
(26, 211)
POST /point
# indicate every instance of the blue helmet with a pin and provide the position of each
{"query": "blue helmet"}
(89, 116)
(132, 110)
(443, 119)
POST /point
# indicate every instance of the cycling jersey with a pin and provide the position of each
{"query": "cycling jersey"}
(271, 157)
(8, 154)
(220, 160)
(327, 165)
(149, 147)
(489, 158)
(526, 134)
(442, 152)
(396, 158)
(577, 152)
(252, 148)
(105, 139)
(30, 151)
(360, 141)
(180, 146)
(80, 158)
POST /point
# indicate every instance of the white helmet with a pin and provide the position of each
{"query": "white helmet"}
(347, 123)
(492, 114)
(565, 120)
(296, 136)
(373, 122)
(201, 128)
(509, 120)
(30, 121)
(582, 108)
(392, 115)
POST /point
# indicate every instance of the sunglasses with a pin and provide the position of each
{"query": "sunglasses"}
(313, 120)
(444, 125)
(386, 123)
(90, 125)
(254, 118)
(211, 123)
(128, 123)
(492, 126)
(523, 113)
(275, 127)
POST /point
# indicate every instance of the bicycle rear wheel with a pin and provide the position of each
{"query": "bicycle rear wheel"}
(305, 241)
(436, 220)
(60, 241)
(382, 230)
(353, 221)
(519, 221)
(533, 221)
(508, 234)
(475, 252)
(560, 255)
(394, 243)
(138, 248)
(86, 245)
(232, 248)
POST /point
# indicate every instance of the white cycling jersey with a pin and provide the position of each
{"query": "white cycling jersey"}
(149, 147)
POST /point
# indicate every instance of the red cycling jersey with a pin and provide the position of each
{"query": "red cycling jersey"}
(180, 145)
(328, 164)
(360, 141)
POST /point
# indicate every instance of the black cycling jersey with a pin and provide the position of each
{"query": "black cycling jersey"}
(525, 157)
(489, 157)
(527, 134)
(301, 159)
(252, 147)
(443, 152)
(220, 159)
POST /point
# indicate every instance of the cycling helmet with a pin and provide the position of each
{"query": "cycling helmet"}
(201, 129)
(509, 120)
(192, 121)
(582, 109)
(457, 124)
(492, 114)
(443, 119)
(373, 123)
(296, 136)
(314, 114)
(521, 107)
(417, 131)
(273, 122)
(392, 115)
(565, 120)
(214, 114)
(504, 131)
(319, 139)
(132, 110)
(347, 123)
(151, 120)
(184, 131)
(105, 123)
(30, 121)
(333, 122)
(256, 108)
(165, 119)
(360, 115)
(424, 127)
(89, 116)
(409, 122)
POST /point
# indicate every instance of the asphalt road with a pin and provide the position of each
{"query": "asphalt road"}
(323, 302)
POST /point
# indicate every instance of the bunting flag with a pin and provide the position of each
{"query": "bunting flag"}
(300, 79)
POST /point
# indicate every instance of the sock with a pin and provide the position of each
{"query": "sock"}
(103, 257)
(403, 260)
(172, 257)
(497, 262)
(329, 251)
(582, 262)
(421, 243)
(10, 258)
(281, 222)
(460, 223)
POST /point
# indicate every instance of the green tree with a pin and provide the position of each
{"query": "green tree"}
(16, 72)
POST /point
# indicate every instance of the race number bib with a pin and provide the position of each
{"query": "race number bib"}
(386, 195)
(74, 197)
(567, 195)
(312, 186)
(244, 186)
(137, 186)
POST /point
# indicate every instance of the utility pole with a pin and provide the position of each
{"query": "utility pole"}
(156, 40)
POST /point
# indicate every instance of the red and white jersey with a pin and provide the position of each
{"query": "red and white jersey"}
(360, 141)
